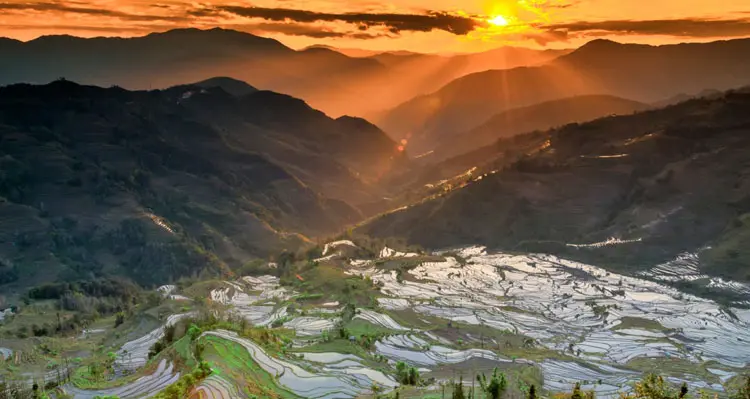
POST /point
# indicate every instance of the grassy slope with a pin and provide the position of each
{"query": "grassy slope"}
(232, 362)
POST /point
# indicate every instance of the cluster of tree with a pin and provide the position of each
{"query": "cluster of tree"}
(100, 287)
(407, 375)
(99, 370)
(61, 326)
(255, 267)
(496, 387)
(182, 387)
(94, 305)
(171, 334)
(88, 300)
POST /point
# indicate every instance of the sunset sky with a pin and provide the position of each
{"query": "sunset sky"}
(417, 25)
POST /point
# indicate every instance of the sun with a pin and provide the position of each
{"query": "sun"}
(498, 21)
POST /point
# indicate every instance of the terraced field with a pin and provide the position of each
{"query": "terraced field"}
(215, 387)
(580, 323)
(575, 310)
(544, 320)
(144, 387)
(134, 354)
(330, 383)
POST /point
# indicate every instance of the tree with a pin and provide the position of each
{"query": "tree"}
(496, 386)
(348, 313)
(654, 387)
(119, 319)
(199, 348)
(111, 357)
(194, 332)
(744, 391)
(413, 376)
(407, 375)
(532, 392)
(577, 394)
(683, 390)
(458, 389)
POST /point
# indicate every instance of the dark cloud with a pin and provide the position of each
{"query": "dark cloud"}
(304, 30)
(85, 28)
(58, 7)
(689, 27)
(545, 38)
(395, 23)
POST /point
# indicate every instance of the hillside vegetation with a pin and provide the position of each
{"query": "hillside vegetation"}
(541, 116)
(672, 180)
(161, 184)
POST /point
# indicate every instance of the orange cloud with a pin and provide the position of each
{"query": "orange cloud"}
(418, 25)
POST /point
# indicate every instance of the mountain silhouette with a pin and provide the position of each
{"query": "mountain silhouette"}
(639, 72)
(232, 86)
(327, 79)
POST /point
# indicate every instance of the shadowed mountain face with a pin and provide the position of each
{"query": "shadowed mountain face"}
(161, 184)
(232, 86)
(328, 80)
(541, 116)
(672, 180)
(638, 72)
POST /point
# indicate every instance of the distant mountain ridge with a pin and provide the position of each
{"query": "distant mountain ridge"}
(329, 80)
(638, 72)
(161, 60)
(542, 116)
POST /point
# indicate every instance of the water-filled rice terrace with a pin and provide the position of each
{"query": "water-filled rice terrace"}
(465, 313)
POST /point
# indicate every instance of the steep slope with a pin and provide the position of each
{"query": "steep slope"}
(107, 181)
(344, 158)
(665, 182)
(638, 72)
(541, 116)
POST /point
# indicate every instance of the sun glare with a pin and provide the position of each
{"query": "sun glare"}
(498, 21)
